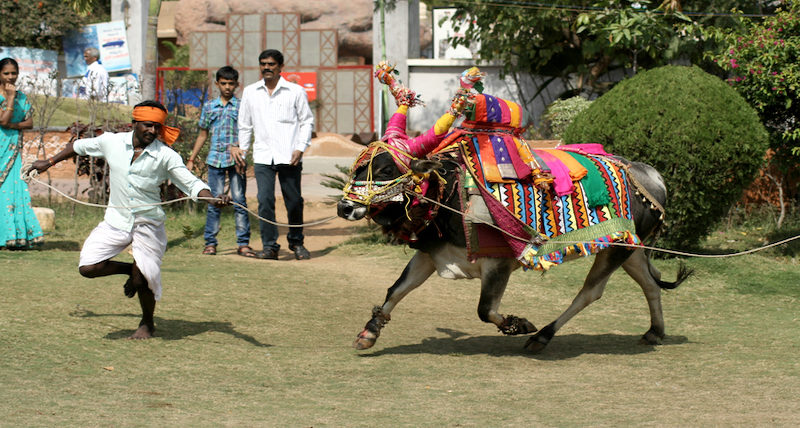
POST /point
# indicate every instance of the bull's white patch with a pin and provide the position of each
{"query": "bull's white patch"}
(452, 263)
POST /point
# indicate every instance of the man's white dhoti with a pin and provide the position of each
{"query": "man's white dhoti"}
(148, 240)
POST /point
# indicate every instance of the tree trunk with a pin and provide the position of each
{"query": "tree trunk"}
(779, 185)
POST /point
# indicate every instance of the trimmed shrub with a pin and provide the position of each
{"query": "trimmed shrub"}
(560, 114)
(703, 137)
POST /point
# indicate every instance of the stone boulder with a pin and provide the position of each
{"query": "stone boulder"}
(333, 145)
(46, 217)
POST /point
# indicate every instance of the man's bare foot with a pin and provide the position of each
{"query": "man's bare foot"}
(129, 288)
(143, 332)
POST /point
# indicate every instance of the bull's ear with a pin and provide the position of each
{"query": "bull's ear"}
(424, 166)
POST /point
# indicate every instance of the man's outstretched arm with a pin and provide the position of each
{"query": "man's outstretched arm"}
(45, 164)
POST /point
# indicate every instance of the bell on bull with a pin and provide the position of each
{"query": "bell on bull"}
(416, 189)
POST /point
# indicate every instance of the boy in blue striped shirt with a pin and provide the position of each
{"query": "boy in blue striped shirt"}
(219, 118)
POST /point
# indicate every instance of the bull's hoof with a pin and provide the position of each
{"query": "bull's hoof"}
(539, 341)
(651, 338)
(535, 346)
(513, 325)
(365, 340)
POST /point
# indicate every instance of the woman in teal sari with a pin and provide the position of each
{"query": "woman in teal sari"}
(19, 228)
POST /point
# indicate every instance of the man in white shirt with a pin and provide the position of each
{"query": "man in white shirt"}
(139, 161)
(94, 84)
(276, 113)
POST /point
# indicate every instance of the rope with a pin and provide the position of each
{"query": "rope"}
(618, 244)
(31, 177)
(370, 190)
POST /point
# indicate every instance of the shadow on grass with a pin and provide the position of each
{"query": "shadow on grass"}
(172, 329)
(789, 249)
(562, 347)
(187, 235)
(284, 253)
(330, 231)
(324, 251)
(61, 245)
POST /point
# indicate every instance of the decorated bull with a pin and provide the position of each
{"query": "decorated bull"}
(478, 202)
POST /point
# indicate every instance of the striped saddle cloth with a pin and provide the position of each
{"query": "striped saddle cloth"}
(574, 198)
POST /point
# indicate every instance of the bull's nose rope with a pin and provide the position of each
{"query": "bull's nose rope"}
(31, 177)
(618, 244)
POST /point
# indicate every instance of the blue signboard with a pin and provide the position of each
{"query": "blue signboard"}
(107, 37)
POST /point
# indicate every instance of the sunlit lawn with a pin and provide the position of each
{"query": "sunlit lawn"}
(267, 343)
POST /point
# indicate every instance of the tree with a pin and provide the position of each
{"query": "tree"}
(94, 10)
(37, 24)
(627, 34)
(567, 40)
(560, 114)
(182, 87)
(580, 41)
(761, 62)
(702, 136)
(760, 59)
(178, 82)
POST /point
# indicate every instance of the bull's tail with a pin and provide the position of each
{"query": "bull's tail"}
(683, 273)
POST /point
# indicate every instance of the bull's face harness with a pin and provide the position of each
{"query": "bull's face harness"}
(377, 194)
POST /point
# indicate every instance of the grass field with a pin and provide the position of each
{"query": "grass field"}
(267, 343)
(75, 110)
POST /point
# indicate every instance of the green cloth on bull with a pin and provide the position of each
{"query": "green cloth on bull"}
(593, 183)
(607, 228)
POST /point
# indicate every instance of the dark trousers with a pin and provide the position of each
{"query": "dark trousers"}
(289, 177)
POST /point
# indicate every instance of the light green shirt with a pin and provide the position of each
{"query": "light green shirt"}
(137, 183)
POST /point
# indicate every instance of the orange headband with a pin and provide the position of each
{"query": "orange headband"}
(154, 114)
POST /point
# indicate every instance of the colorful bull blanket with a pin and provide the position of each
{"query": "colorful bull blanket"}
(573, 199)
(526, 210)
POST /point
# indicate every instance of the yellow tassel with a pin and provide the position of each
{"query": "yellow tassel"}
(545, 264)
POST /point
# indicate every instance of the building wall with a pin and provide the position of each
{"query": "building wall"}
(343, 92)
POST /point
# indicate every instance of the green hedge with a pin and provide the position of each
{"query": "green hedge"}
(704, 138)
(560, 114)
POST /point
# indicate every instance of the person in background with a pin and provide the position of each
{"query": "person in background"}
(276, 113)
(139, 161)
(219, 117)
(94, 84)
(19, 227)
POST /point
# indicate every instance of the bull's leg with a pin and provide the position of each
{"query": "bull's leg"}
(494, 278)
(416, 272)
(605, 263)
(638, 267)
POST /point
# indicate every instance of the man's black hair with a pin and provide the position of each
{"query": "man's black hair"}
(151, 103)
(272, 53)
(228, 72)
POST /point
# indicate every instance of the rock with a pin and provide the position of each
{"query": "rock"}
(335, 145)
(46, 217)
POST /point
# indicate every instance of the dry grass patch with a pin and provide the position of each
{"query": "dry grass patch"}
(262, 343)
